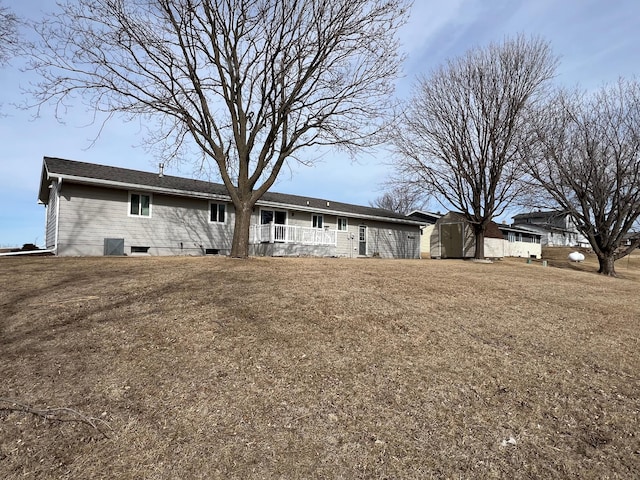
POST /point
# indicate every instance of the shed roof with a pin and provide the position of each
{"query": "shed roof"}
(117, 177)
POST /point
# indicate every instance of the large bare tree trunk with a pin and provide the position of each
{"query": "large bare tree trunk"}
(479, 234)
(240, 245)
(607, 265)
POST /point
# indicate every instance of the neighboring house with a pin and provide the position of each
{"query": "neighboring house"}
(629, 237)
(558, 228)
(428, 219)
(452, 237)
(102, 210)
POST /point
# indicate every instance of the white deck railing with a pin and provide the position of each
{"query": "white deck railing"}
(273, 233)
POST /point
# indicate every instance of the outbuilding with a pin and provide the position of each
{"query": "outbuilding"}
(453, 237)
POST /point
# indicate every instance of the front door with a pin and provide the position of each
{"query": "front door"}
(278, 218)
(362, 248)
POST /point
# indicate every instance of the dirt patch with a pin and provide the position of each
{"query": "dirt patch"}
(319, 368)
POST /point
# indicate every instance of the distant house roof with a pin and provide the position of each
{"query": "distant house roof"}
(520, 229)
(117, 177)
(429, 218)
(543, 214)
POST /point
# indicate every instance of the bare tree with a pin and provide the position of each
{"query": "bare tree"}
(588, 162)
(401, 198)
(8, 34)
(465, 125)
(250, 83)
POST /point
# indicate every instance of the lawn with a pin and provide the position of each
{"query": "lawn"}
(318, 368)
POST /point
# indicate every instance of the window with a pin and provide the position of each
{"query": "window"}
(342, 224)
(317, 221)
(136, 249)
(140, 204)
(276, 216)
(217, 212)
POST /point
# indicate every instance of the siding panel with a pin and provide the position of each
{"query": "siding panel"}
(177, 226)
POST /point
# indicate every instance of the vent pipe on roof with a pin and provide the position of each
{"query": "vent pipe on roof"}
(161, 172)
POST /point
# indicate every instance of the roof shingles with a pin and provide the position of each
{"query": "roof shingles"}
(54, 167)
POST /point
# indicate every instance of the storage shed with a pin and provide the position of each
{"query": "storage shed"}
(453, 237)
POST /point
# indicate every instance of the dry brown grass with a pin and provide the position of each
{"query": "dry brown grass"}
(320, 368)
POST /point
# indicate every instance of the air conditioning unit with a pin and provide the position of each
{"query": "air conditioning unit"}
(113, 247)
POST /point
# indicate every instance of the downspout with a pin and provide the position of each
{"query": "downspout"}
(55, 241)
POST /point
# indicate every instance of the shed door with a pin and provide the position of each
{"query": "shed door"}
(362, 248)
(451, 239)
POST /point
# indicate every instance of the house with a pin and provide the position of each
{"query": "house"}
(102, 210)
(629, 237)
(557, 227)
(453, 237)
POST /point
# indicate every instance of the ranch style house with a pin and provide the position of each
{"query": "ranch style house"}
(94, 210)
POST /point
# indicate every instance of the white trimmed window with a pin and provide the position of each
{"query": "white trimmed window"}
(317, 221)
(342, 224)
(139, 204)
(217, 212)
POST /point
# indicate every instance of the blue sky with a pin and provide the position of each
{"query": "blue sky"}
(597, 41)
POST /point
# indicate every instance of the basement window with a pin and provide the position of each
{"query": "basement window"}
(137, 249)
(212, 251)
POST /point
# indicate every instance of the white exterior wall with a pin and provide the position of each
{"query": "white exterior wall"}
(522, 249)
(499, 248)
(425, 241)
(493, 248)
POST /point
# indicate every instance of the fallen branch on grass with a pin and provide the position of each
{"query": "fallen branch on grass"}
(57, 414)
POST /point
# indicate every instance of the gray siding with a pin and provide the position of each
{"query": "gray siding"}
(180, 226)
(177, 226)
(388, 240)
(52, 211)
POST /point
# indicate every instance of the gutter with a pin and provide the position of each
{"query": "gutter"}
(28, 252)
